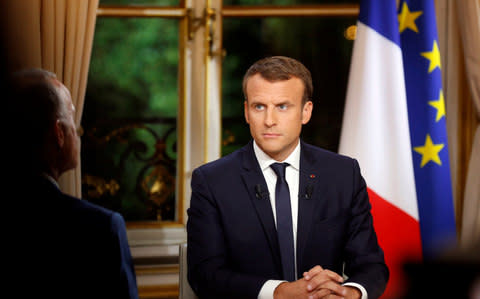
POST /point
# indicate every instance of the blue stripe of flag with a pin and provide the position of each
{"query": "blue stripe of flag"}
(377, 14)
(433, 182)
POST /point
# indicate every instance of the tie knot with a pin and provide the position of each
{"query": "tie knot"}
(279, 169)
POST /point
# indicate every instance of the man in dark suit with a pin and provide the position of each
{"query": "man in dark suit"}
(64, 247)
(280, 218)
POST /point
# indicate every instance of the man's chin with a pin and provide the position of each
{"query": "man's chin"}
(271, 151)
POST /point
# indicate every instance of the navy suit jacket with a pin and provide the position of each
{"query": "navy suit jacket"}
(232, 240)
(70, 248)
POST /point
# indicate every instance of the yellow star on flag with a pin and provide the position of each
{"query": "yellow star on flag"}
(429, 151)
(433, 56)
(439, 105)
(406, 18)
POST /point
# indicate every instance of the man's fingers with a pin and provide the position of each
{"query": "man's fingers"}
(328, 290)
(319, 294)
(332, 296)
(312, 272)
(321, 278)
(334, 288)
(334, 276)
(317, 280)
(318, 270)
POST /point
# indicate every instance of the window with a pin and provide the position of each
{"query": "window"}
(129, 149)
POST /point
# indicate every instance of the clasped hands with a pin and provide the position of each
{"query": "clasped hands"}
(316, 283)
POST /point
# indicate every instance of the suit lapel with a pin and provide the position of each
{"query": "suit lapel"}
(253, 176)
(311, 186)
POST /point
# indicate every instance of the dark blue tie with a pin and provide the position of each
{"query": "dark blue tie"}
(284, 222)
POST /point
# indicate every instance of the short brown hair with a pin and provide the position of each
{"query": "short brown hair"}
(278, 68)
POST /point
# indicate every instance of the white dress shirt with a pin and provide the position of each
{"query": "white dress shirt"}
(292, 176)
(52, 180)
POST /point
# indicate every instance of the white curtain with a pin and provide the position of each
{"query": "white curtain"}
(213, 113)
(55, 35)
(213, 97)
(469, 21)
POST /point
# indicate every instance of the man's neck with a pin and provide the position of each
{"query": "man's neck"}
(50, 171)
(278, 158)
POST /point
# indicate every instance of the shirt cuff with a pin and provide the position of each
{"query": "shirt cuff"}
(358, 286)
(266, 292)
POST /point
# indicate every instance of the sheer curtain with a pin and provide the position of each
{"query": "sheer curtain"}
(55, 35)
(469, 21)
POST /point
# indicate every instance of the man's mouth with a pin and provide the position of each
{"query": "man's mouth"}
(271, 135)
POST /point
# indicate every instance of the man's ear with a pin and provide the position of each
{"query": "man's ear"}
(59, 133)
(245, 111)
(307, 112)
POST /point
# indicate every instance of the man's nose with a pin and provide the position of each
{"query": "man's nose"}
(270, 118)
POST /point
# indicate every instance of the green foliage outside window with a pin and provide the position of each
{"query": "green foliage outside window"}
(129, 147)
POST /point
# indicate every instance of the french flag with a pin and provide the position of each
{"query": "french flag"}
(394, 125)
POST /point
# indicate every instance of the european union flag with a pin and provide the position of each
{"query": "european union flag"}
(426, 116)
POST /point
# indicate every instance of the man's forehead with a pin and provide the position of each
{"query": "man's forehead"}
(60, 86)
(56, 82)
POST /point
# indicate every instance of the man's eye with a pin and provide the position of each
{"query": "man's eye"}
(259, 107)
(79, 131)
(283, 107)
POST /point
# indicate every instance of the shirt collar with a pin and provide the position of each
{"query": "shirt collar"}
(51, 179)
(265, 160)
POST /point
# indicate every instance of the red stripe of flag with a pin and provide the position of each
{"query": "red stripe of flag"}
(399, 236)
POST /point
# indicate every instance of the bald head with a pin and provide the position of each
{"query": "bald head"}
(43, 112)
